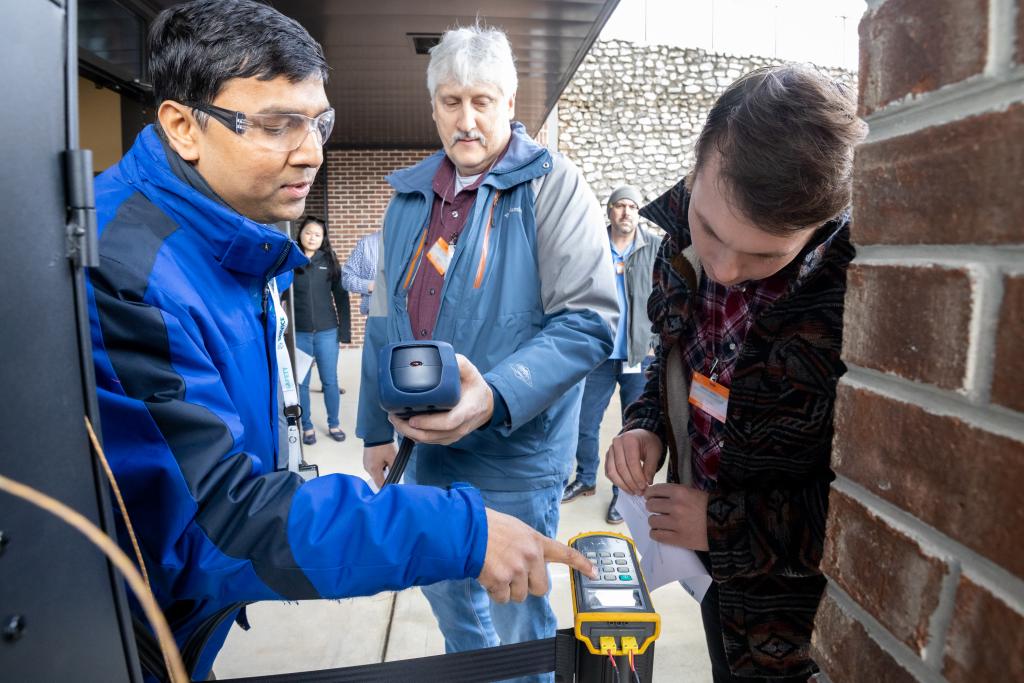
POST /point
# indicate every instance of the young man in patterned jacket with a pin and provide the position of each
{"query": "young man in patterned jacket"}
(748, 307)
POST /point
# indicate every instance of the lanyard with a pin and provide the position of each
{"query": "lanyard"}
(292, 410)
(708, 341)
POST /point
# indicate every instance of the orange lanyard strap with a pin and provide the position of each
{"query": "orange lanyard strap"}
(482, 266)
(416, 259)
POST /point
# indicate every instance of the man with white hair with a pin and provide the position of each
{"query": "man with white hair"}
(497, 246)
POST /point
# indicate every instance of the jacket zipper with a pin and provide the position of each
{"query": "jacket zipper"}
(482, 265)
(271, 349)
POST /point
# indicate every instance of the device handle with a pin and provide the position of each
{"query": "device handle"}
(397, 468)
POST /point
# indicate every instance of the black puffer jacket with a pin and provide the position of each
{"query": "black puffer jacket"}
(313, 292)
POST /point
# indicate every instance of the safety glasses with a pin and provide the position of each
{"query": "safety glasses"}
(276, 132)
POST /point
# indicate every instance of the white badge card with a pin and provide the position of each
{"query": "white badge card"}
(630, 369)
(440, 255)
(709, 396)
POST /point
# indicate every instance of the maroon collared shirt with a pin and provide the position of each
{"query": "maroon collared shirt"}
(448, 217)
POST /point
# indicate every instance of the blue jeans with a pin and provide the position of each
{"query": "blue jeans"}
(323, 346)
(597, 393)
(467, 617)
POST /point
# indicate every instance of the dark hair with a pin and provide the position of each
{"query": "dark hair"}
(785, 135)
(195, 47)
(334, 269)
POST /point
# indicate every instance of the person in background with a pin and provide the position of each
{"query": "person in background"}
(360, 269)
(633, 251)
(322, 322)
(748, 307)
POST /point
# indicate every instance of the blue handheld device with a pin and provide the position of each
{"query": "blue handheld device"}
(418, 377)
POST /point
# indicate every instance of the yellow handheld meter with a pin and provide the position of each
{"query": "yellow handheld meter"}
(613, 613)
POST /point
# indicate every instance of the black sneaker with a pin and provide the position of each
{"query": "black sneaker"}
(577, 489)
(613, 516)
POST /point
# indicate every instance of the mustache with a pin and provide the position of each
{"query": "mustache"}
(471, 135)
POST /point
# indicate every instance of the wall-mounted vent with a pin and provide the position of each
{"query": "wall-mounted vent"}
(422, 42)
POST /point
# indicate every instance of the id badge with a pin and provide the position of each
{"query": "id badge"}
(631, 369)
(620, 267)
(709, 396)
(440, 256)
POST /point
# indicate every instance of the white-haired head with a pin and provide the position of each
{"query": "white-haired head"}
(473, 55)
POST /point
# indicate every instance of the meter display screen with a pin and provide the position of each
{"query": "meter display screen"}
(606, 597)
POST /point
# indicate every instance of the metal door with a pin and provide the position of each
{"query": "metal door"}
(62, 607)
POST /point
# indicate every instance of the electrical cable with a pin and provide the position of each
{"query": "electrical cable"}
(118, 558)
(401, 460)
(120, 500)
(102, 457)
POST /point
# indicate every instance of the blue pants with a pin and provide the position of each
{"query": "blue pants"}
(467, 617)
(597, 393)
(323, 346)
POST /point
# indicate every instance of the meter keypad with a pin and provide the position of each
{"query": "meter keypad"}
(611, 557)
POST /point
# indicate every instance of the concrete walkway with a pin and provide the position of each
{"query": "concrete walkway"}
(325, 634)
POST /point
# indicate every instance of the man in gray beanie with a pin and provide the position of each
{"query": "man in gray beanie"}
(633, 251)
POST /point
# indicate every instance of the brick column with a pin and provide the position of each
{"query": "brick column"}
(925, 550)
(357, 196)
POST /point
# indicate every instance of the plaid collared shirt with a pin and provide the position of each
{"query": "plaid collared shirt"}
(723, 317)
(360, 269)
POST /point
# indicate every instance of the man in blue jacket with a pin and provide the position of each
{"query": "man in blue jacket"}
(498, 247)
(183, 332)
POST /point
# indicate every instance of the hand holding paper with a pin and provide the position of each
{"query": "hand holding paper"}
(662, 563)
(680, 515)
(632, 460)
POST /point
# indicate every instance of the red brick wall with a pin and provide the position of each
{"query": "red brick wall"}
(357, 196)
(925, 550)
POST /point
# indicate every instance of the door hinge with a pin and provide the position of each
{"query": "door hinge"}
(83, 242)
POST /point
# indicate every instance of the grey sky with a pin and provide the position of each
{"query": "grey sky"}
(819, 31)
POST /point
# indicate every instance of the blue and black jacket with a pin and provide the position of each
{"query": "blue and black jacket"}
(182, 341)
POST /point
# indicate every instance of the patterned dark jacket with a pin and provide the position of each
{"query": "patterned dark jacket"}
(766, 518)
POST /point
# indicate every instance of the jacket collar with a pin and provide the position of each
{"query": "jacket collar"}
(237, 243)
(670, 211)
(524, 161)
(641, 238)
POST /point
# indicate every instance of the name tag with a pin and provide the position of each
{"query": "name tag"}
(630, 369)
(620, 267)
(440, 255)
(709, 396)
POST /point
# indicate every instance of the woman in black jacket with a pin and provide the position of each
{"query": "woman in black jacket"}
(320, 303)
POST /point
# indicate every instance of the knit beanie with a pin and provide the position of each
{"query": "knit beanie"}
(626, 192)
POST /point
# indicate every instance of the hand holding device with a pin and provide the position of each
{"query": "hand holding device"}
(473, 409)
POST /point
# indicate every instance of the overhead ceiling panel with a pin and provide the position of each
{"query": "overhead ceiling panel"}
(377, 82)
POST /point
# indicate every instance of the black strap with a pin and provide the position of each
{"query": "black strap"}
(150, 657)
(556, 654)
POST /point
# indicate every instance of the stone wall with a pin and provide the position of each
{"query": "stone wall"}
(632, 112)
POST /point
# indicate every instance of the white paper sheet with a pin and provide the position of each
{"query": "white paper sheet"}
(303, 363)
(661, 563)
(631, 369)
